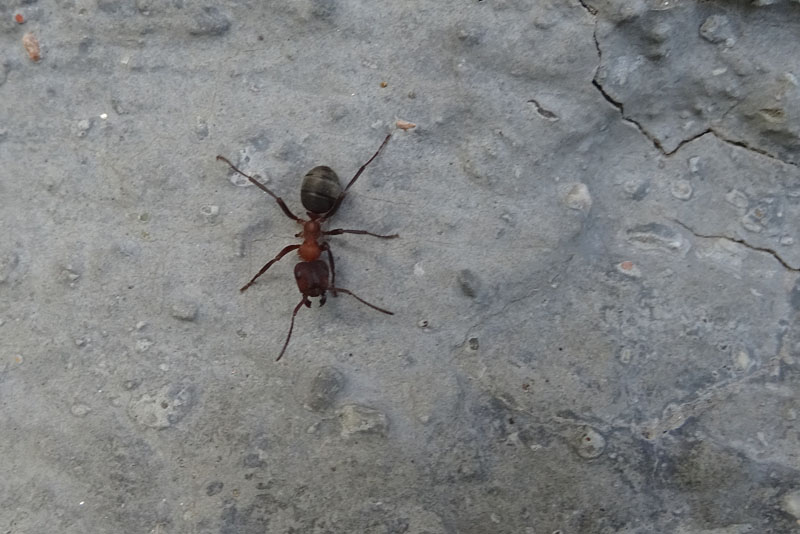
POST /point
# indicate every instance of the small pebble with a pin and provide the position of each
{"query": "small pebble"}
(214, 488)
(184, 310)
(752, 221)
(325, 386)
(201, 128)
(682, 189)
(210, 212)
(736, 198)
(578, 198)
(357, 419)
(653, 236)
(209, 22)
(404, 125)
(468, 282)
(742, 360)
(82, 127)
(79, 410)
(143, 344)
(163, 409)
(31, 45)
(628, 268)
(590, 444)
(790, 503)
(717, 29)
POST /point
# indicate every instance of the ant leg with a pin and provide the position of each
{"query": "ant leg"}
(264, 188)
(340, 231)
(291, 327)
(335, 207)
(327, 247)
(281, 254)
(362, 300)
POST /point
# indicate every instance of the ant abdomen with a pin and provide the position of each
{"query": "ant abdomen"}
(320, 189)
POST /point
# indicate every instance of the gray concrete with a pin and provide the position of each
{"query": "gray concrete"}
(595, 290)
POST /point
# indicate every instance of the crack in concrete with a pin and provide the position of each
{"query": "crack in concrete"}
(741, 242)
(621, 108)
(587, 7)
(742, 144)
(653, 139)
(593, 12)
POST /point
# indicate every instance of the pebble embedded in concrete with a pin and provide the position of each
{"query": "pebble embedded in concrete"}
(209, 21)
(656, 236)
(790, 503)
(82, 127)
(357, 419)
(590, 443)
(184, 310)
(682, 189)
(469, 283)
(628, 268)
(79, 410)
(717, 29)
(164, 408)
(214, 488)
(578, 198)
(325, 387)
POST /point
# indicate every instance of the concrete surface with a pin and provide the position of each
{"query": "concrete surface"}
(595, 290)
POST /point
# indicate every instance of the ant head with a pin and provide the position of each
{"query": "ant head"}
(312, 278)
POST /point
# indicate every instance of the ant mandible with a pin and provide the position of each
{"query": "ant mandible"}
(321, 195)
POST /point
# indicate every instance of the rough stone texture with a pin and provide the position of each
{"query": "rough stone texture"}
(596, 287)
(677, 84)
(323, 389)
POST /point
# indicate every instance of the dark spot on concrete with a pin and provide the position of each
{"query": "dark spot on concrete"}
(324, 388)
(260, 141)
(794, 296)
(469, 283)
(253, 460)
(214, 488)
(210, 21)
(323, 9)
(85, 45)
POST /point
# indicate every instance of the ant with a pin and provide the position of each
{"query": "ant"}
(321, 195)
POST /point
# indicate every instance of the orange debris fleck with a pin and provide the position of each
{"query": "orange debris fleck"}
(19, 18)
(405, 125)
(31, 45)
(627, 265)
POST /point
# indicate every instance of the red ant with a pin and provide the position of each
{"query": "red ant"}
(321, 195)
